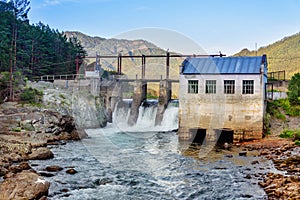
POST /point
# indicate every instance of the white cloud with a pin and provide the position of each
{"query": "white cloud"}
(57, 2)
(51, 2)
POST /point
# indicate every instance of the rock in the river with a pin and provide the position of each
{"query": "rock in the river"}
(40, 154)
(243, 153)
(248, 176)
(54, 168)
(24, 185)
(71, 171)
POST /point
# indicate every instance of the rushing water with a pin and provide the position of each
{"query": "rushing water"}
(141, 162)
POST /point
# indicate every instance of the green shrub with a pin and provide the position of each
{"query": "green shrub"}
(297, 135)
(294, 90)
(281, 116)
(293, 134)
(274, 90)
(285, 104)
(30, 95)
(17, 129)
(287, 134)
(291, 110)
(150, 96)
(297, 142)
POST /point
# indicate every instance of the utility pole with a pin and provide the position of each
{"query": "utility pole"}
(32, 58)
(255, 49)
(77, 66)
(11, 98)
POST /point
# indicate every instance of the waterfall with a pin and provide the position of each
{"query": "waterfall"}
(146, 118)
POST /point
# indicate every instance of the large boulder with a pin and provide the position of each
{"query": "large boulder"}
(40, 154)
(24, 185)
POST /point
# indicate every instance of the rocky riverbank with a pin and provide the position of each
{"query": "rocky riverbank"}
(25, 133)
(286, 159)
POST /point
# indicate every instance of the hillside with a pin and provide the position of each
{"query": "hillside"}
(155, 67)
(113, 46)
(131, 67)
(281, 55)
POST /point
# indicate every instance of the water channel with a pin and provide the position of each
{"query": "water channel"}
(147, 162)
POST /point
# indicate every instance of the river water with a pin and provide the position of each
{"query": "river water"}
(147, 162)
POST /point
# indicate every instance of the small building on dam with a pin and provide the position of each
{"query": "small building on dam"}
(222, 98)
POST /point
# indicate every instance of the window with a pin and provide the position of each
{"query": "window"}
(210, 87)
(229, 86)
(248, 87)
(193, 86)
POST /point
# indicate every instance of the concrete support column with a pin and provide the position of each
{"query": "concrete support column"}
(238, 136)
(140, 93)
(184, 134)
(116, 95)
(163, 100)
(111, 94)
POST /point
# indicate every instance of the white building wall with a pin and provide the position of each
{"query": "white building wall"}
(238, 112)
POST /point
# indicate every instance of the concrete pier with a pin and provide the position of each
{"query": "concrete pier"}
(163, 100)
(111, 91)
(140, 94)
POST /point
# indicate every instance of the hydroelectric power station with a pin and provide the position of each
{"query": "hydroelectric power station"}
(196, 84)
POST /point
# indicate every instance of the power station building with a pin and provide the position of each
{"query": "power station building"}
(222, 97)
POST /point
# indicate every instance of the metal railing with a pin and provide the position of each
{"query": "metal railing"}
(276, 76)
(62, 77)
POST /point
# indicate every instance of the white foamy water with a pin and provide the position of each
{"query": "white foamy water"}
(144, 162)
(146, 118)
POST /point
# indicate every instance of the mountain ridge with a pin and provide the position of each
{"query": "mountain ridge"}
(283, 54)
(112, 46)
(155, 67)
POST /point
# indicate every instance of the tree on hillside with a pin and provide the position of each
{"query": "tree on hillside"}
(15, 11)
(294, 90)
(32, 50)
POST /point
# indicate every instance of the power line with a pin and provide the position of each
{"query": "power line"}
(44, 66)
(284, 58)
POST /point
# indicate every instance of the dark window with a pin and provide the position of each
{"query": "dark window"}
(210, 86)
(248, 87)
(229, 86)
(193, 86)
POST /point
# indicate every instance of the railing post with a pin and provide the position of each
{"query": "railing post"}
(120, 64)
(143, 66)
(168, 66)
(77, 64)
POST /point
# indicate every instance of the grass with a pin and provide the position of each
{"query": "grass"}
(291, 110)
(17, 129)
(274, 90)
(281, 116)
(31, 95)
(292, 134)
(149, 96)
(287, 134)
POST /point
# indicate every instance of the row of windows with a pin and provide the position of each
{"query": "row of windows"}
(229, 86)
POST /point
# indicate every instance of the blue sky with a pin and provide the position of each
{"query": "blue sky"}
(219, 25)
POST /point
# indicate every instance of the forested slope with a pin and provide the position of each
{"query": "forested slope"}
(281, 55)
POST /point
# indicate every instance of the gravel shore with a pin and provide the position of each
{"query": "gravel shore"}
(24, 135)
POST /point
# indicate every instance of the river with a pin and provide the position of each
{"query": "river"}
(148, 163)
